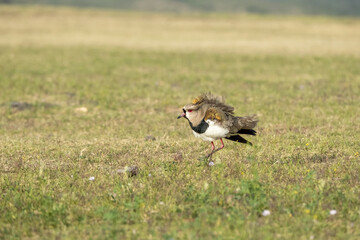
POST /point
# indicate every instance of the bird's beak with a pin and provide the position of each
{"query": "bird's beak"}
(182, 115)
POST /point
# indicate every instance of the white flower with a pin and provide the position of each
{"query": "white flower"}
(265, 213)
(211, 163)
(149, 174)
(91, 178)
(333, 212)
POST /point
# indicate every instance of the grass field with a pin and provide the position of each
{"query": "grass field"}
(81, 91)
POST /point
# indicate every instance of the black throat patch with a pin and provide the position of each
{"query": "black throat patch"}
(201, 128)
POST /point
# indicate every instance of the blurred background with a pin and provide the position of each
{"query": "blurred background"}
(88, 87)
(322, 7)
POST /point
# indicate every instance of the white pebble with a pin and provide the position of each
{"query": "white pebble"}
(91, 178)
(265, 213)
(81, 109)
(333, 212)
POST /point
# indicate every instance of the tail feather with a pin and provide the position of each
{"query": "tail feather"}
(247, 131)
(238, 138)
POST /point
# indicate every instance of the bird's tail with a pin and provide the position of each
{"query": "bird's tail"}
(238, 138)
(246, 125)
(248, 122)
(247, 131)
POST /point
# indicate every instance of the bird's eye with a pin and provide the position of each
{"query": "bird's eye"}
(190, 110)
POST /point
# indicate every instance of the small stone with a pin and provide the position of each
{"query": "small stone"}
(81, 110)
(131, 171)
(70, 94)
(150, 138)
(20, 105)
(178, 157)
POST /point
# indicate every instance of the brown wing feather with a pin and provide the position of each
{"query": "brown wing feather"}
(248, 122)
(214, 114)
(214, 101)
(235, 124)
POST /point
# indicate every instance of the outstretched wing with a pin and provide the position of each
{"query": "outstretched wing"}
(213, 101)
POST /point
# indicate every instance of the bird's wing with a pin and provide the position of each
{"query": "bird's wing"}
(213, 101)
(214, 114)
(248, 122)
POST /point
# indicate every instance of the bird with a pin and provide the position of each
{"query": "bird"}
(211, 119)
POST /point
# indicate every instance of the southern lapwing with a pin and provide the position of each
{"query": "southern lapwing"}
(211, 119)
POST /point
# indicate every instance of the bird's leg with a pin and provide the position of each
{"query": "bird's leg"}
(213, 147)
(221, 147)
(212, 150)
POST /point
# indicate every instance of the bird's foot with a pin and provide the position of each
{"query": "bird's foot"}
(210, 155)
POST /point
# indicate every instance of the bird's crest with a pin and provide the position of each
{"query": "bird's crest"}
(198, 100)
(208, 98)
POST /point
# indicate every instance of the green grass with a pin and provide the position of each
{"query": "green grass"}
(304, 162)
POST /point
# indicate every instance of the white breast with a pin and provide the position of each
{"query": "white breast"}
(213, 132)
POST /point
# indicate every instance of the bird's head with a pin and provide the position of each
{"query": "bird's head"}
(189, 111)
(194, 113)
